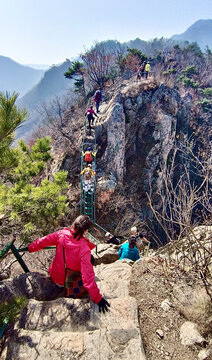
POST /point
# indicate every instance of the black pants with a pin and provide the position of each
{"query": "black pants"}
(90, 118)
(97, 106)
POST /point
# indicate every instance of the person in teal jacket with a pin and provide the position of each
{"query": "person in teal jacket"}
(129, 250)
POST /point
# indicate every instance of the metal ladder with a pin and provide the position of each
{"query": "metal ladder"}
(88, 198)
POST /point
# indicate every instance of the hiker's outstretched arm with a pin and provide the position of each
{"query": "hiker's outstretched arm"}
(40, 243)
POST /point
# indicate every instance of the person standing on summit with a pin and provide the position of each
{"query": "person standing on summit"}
(147, 69)
(98, 98)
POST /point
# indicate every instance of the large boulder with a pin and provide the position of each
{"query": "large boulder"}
(106, 254)
(32, 285)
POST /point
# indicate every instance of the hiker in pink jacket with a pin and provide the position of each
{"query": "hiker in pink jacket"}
(90, 113)
(78, 256)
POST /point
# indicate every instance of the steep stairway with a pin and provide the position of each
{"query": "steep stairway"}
(71, 329)
(87, 199)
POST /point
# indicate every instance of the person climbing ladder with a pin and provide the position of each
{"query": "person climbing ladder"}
(89, 155)
(88, 174)
(90, 115)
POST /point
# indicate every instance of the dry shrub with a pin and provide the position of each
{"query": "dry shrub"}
(104, 197)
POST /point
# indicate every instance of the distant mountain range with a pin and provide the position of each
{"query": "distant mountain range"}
(37, 86)
(17, 77)
(200, 32)
(52, 83)
(38, 66)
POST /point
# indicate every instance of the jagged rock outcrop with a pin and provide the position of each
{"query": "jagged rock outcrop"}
(74, 329)
(141, 123)
(136, 132)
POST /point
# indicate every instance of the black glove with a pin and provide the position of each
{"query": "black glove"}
(103, 305)
(92, 260)
(24, 249)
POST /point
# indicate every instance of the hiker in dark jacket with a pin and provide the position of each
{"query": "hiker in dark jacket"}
(141, 240)
(98, 98)
(142, 69)
(113, 239)
(90, 115)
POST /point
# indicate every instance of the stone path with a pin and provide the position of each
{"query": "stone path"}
(70, 329)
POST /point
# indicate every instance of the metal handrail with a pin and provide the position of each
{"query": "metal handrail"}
(100, 227)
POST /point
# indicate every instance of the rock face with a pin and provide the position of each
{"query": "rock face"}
(111, 137)
(74, 329)
(137, 133)
(141, 124)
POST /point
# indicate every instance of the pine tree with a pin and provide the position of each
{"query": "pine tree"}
(29, 202)
(76, 72)
(10, 119)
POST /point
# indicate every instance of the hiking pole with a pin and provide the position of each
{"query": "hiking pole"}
(148, 247)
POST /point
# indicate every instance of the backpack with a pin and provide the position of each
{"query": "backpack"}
(87, 175)
(88, 157)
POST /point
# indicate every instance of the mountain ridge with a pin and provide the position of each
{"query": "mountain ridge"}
(17, 77)
(200, 32)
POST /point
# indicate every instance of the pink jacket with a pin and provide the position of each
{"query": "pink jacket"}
(91, 111)
(78, 257)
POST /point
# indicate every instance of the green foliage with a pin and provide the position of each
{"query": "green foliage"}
(187, 82)
(10, 310)
(170, 71)
(186, 78)
(207, 92)
(77, 68)
(206, 105)
(10, 118)
(30, 162)
(177, 47)
(79, 85)
(137, 53)
(28, 202)
(76, 72)
(189, 71)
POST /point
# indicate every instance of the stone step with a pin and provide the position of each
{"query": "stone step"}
(101, 344)
(77, 315)
(70, 329)
(38, 345)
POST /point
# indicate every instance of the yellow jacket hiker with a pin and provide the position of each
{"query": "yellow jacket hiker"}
(87, 172)
(147, 70)
(147, 67)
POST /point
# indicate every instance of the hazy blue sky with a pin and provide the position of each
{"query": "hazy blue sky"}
(49, 31)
